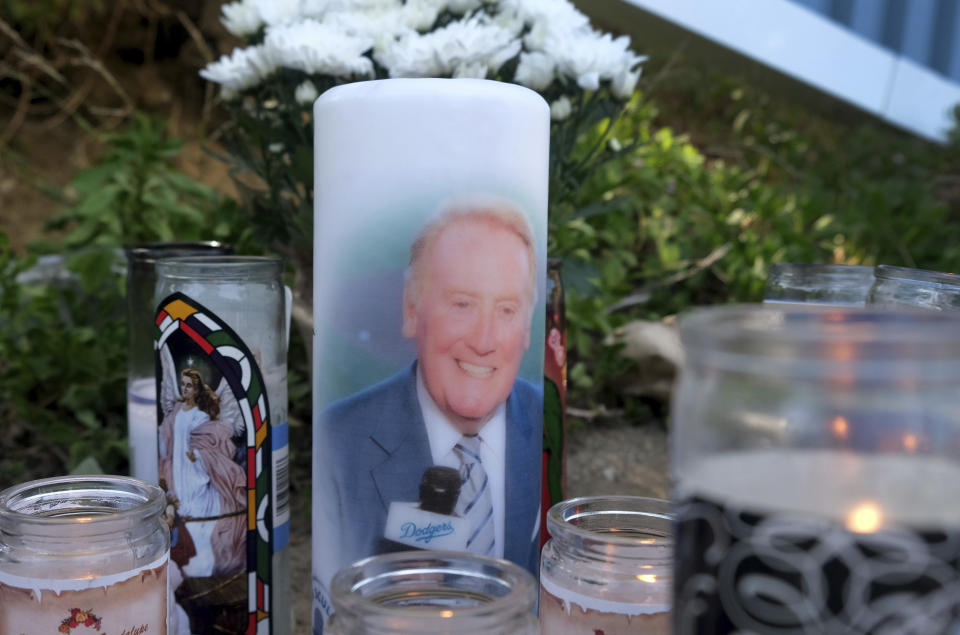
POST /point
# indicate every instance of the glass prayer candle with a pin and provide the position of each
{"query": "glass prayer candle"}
(141, 382)
(83, 554)
(221, 347)
(815, 454)
(919, 288)
(554, 396)
(607, 567)
(433, 592)
(834, 285)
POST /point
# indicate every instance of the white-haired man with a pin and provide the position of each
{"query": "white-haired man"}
(468, 300)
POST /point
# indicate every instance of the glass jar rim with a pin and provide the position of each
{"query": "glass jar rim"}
(347, 585)
(823, 268)
(151, 252)
(809, 322)
(216, 267)
(917, 276)
(24, 504)
(561, 519)
(876, 344)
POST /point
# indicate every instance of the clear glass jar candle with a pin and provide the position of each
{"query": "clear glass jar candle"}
(221, 353)
(141, 382)
(816, 460)
(607, 567)
(919, 288)
(83, 554)
(834, 285)
(415, 592)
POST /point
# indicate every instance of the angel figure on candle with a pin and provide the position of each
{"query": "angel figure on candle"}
(200, 472)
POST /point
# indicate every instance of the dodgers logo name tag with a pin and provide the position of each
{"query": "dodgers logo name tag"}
(410, 525)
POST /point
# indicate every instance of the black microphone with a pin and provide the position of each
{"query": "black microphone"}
(440, 489)
(430, 523)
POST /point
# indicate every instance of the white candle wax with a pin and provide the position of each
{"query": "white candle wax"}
(142, 428)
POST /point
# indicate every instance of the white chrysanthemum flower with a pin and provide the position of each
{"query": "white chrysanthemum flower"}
(589, 56)
(510, 21)
(274, 12)
(242, 69)
(474, 70)
(589, 80)
(372, 24)
(561, 109)
(240, 18)
(537, 39)
(422, 14)
(535, 70)
(504, 55)
(625, 83)
(314, 47)
(462, 6)
(433, 5)
(306, 93)
(319, 8)
(474, 40)
(557, 14)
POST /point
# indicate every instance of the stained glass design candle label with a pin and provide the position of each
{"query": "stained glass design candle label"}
(221, 465)
(130, 602)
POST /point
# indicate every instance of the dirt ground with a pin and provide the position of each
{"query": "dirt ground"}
(620, 459)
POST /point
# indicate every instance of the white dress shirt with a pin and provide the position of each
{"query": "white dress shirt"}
(493, 445)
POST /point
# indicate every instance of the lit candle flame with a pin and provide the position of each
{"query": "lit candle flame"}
(446, 613)
(910, 442)
(840, 427)
(865, 518)
(651, 579)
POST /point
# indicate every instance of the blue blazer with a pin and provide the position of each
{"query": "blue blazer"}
(374, 450)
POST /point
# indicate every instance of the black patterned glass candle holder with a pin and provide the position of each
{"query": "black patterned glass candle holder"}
(815, 452)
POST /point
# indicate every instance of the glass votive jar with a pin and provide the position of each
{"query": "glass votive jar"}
(919, 288)
(816, 459)
(141, 365)
(83, 552)
(834, 285)
(223, 457)
(413, 592)
(607, 567)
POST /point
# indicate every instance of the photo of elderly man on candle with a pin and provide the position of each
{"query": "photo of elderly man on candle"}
(468, 300)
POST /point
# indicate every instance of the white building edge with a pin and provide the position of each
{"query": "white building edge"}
(808, 47)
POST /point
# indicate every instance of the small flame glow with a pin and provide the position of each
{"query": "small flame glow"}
(865, 518)
(910, 442)
(446, 613)
(651, 579)
(841, 429)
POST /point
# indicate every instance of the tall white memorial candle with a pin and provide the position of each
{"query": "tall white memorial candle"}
(142, 422)
(429, 269)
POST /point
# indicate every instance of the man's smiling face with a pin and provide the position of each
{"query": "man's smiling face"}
(471, 318)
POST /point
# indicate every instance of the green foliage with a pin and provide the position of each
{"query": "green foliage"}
(135, 194)
(270, 151)
(63, 337)
(669, 223)
(63, 349)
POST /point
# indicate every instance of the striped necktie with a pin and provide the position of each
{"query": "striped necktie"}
(475, 503)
